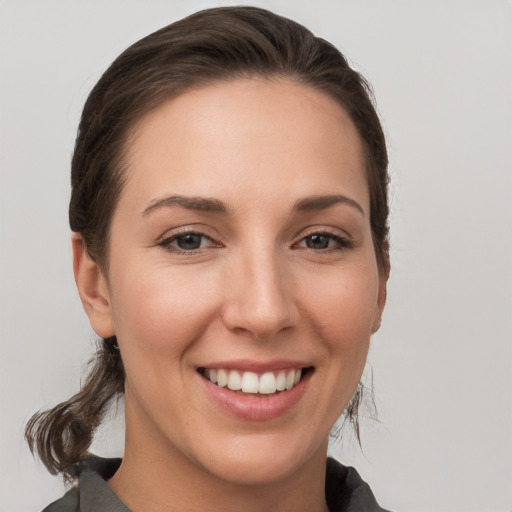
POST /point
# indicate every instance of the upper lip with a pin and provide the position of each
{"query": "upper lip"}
(247, 365)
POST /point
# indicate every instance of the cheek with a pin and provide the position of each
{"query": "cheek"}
(343, 309)
(344, 306)
(163, 309)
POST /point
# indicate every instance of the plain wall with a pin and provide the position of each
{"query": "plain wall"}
(442, 361)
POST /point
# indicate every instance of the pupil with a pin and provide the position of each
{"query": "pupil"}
(189, 242)
(317, 242)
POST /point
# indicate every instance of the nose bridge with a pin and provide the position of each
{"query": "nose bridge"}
(260, 300)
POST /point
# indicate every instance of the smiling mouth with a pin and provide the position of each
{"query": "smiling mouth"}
(256, 384)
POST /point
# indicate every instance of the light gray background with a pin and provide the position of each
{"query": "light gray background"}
(442, 362)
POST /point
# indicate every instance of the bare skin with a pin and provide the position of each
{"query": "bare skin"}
(241, 240)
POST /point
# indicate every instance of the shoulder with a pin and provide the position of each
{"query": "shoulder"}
(68, 503)
(92, 494)
(346, 491)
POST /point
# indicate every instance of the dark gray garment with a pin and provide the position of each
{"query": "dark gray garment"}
(345, 491)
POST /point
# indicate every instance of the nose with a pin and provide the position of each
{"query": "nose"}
(259, 296)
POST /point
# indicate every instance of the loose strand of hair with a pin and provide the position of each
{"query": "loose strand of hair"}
(61, 436)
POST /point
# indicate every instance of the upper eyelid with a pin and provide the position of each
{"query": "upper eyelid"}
(216, 237)
(190, 229)
(169, 244)
(175, 236)
(337, 238)
(171, 238)
(322, 230)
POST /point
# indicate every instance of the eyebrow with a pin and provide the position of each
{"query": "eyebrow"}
(202, 204)
(210, 205)
(316, 203)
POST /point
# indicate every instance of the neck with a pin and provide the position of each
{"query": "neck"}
(154, 477)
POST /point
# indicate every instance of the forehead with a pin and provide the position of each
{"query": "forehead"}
(239, 136)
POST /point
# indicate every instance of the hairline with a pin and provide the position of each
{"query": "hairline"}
(121, 168)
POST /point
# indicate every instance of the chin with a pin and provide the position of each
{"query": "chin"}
(261, 463)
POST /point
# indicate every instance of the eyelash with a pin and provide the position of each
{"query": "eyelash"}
(343, 244)
(167, 243)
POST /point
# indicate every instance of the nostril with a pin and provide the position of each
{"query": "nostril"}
(260, 306)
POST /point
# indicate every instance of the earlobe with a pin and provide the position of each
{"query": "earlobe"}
(93, 289)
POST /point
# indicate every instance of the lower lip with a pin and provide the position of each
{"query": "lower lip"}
(256, 408)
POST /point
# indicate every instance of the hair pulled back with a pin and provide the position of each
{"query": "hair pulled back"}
(210, 46)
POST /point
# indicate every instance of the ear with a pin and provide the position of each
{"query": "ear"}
(381, 297)
(93, 289)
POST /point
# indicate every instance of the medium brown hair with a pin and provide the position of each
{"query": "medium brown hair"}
(210, 46)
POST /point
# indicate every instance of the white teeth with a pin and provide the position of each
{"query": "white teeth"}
(222, 378)
(234, 381)
(250, 382)
(290, 378)
(267, 383)
(281, 381)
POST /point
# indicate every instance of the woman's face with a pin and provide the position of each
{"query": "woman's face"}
(241, 253)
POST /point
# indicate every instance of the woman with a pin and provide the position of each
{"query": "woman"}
(229, 219)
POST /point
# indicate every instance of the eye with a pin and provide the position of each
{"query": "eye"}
(187, 242)
(324, 242)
